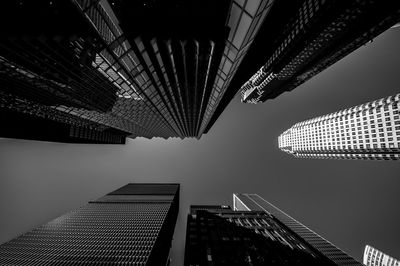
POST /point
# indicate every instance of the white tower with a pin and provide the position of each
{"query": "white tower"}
(367, 131)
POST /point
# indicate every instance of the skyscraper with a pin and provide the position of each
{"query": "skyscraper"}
(374, 257)
(217, 235)
(367, 131)
(320, 34)
(253, 202)
(110, 69)
(132, 225)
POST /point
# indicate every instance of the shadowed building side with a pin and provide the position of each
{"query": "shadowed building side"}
(145, 69)
(320, 34)
(299, 39)
(217, 235)
(253, 202)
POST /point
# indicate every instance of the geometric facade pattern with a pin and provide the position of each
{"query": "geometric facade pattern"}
(319, 34)
(130, 226)
(374, 257)
(367, 131)
(253, 202)
(217, 235)
(127, 68)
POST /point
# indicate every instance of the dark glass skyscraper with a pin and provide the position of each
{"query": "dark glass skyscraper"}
(98, 71)
(217, 235)
(255, 233)
(253, 202)
(132, 225)
(300, 38)
(320, 33)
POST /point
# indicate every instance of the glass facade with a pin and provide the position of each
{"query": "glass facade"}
(130, 226)
(253, 202)
(246, 17)
(219, 236)
(319, 34)
(106, 72)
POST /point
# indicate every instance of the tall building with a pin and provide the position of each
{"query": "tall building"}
(132, 225)
(119, 68)
(217, 235)
(374, 257)
(253, 202)
(319, 34)
(367, 131)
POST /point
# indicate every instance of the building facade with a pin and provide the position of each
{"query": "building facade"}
(253, 202)
(217, 235)
(367, 131)
(374, 257)
(111, 75)
(320, 33)
(132, 225)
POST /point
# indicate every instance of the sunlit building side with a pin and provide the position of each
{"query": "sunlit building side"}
(367, 131)
(375, 257)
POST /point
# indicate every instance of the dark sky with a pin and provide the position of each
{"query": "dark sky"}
(350, 203)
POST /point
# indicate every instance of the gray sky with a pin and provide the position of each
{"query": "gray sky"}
(350, 203)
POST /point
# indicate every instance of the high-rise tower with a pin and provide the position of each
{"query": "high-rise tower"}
(300, 38)
(374, 257)
(98, 71)
(217, 235)
(253, 202)
(319, 34)
(132, 225)
(367, 131)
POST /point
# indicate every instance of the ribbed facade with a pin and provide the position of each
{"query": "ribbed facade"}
(367, 131)
(374, 257)
(130, 228)
(216, 235)
(253, 202)
(320, 33)
(136, 68)
(245, 20)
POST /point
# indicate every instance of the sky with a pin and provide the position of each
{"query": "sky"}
(351, 203)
